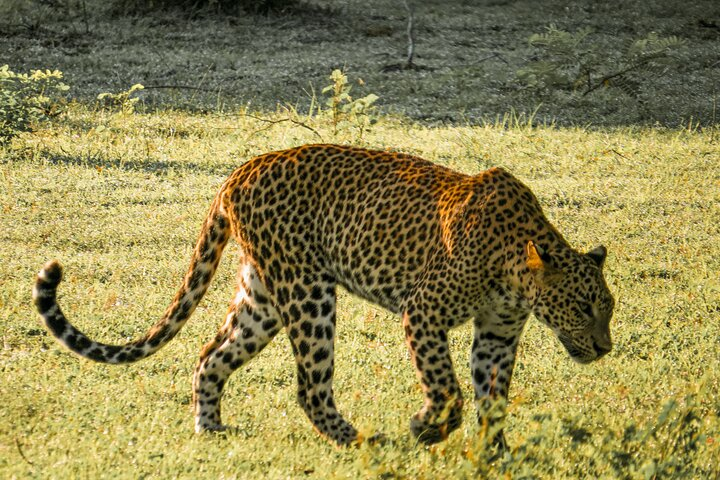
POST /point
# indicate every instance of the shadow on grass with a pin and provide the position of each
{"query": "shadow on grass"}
(157, 167)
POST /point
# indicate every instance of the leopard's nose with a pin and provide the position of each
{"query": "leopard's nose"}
(601, 349)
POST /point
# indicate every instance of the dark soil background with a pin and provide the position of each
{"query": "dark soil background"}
(468, 52)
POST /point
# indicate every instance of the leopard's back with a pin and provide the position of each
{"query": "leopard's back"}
(371, 219)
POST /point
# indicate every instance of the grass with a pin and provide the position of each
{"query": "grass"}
(119, 200)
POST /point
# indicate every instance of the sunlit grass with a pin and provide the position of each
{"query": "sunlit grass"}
(119, 200)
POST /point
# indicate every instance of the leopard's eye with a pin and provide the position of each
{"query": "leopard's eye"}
(587, 309)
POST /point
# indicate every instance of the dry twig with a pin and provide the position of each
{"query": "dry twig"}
(19, 447)
(410, 34)
(282, 120)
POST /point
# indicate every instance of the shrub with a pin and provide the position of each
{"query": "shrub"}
(346, 113)
(27, 99)
(572, 61)
(121, 101)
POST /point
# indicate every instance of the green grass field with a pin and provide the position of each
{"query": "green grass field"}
(121, 205)
(119, 200)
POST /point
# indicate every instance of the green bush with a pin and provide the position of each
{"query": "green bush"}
(345, 112)
(573, 61)
(121, 101)
(26, 100)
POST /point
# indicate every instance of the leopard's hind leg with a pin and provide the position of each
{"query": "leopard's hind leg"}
(250, 325)
(309, 311)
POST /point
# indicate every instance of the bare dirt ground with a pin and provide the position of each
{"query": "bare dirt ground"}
(469, 53)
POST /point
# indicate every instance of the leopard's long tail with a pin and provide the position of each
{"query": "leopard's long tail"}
(205, 258)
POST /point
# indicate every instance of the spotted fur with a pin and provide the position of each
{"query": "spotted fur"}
(431, 245)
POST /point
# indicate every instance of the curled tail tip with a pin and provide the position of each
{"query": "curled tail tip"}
(50, 275)
(45, 285)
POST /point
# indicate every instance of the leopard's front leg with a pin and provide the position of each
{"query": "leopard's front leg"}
(492, 360)
(442, 411)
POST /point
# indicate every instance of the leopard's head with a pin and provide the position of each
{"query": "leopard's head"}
(573, 299)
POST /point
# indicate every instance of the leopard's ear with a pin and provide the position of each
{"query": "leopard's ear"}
(598, 255)
(537, 258)
(541, 263)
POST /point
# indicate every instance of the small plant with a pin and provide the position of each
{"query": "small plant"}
(566, 59)
(344, 111)
(121, 101)
(27, 99)
(571, 61)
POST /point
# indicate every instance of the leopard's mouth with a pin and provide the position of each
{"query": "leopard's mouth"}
(576, 353)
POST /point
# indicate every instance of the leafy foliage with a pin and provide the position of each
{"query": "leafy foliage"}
(572, 61)
(346, 113)
(121, 101)
(347, 119)
(566, 60)
(26, 99)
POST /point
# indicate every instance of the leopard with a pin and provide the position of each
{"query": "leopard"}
(435, 247)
